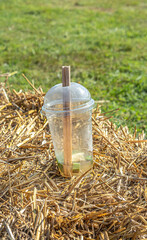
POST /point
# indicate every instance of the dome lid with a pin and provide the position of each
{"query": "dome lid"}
(76, 95)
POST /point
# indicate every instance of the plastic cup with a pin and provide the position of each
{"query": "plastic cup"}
(80, 112)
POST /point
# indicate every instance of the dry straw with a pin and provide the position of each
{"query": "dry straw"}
(36, 202)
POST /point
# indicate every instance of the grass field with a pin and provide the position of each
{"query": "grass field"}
(104, 41)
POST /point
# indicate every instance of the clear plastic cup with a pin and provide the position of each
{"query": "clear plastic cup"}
(79, 134)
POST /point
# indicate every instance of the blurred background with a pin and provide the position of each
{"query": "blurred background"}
(104, 42)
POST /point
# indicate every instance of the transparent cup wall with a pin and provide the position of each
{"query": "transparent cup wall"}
(82, 147)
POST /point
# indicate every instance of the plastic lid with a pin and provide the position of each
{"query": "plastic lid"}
(80, 98)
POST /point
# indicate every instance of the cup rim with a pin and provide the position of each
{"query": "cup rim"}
(88, 106)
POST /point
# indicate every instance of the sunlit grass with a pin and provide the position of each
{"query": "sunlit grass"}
(103, 41)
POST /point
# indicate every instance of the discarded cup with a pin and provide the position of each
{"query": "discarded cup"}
(68, 108)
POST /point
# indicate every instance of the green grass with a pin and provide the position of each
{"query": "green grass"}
(104, 41)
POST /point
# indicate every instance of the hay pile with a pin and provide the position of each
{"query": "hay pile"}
(36, 202)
